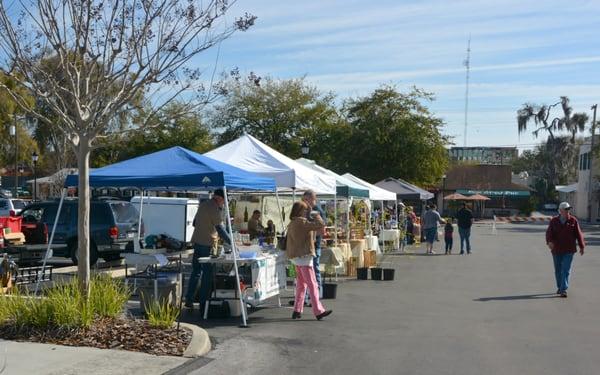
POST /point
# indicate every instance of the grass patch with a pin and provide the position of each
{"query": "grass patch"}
(162, 314)
(64, 306)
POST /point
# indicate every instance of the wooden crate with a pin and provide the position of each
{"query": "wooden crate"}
(370, 258)
(351, 265)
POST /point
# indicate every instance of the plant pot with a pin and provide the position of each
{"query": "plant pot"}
(362, 273)
(376, 273)
(388, 274)
(329, 291)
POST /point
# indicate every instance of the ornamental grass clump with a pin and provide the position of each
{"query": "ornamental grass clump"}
(108, 296)
(162, 314)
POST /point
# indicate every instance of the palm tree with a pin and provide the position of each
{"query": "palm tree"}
(555, 145)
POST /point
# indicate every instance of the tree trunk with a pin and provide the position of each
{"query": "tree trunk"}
(83, 227)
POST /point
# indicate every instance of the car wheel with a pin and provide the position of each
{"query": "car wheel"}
(73, 252)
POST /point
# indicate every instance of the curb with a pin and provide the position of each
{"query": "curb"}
(200, 343)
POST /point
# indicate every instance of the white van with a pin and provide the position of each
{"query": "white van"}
(170, 216)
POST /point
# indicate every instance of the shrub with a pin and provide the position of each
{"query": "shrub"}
(108, 296)
(161, 314)
(69, 307)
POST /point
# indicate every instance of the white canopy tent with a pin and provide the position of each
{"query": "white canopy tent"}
(375, 192)
(250, 154)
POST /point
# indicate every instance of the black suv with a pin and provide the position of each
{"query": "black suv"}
(113, 226)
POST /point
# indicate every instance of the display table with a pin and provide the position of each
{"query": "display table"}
(345, 249)
(332, 256)
(263, 276)
(390, 235)
(373, 243)
(357, 247)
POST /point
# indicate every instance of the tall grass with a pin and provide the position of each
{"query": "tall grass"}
(64, 305)
(161, 314)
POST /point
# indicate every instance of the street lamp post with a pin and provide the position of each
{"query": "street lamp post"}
(13, 132)
(34, 158)
(443, 189)
(305, 148)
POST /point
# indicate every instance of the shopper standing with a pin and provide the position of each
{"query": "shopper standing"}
(208, 227)
(562, 235)
(300, 249)
(464, 217)
(310, 198)
(431, 218)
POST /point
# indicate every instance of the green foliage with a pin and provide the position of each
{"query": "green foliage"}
(161, 314)
(64, 305)
(281, 113)
(175, 125)
(394, 134)
(108, 296)
(527, 206)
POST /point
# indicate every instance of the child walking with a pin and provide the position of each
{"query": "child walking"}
(448, 232)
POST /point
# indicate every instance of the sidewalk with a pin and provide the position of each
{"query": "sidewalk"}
(46, 359)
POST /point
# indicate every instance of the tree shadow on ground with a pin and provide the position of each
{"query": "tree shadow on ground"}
(518, 297)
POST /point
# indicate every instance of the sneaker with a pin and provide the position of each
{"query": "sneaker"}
(557, 291)
(296, 315)
(324, 314)
(432, 252)
(563, 294)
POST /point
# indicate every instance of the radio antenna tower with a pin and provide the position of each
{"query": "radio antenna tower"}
(467, 64)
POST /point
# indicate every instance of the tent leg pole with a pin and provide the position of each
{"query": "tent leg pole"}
(335, 238)
(235, 263)
(135, 246)
(47, 254)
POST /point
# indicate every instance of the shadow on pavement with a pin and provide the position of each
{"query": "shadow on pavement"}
(518, 297)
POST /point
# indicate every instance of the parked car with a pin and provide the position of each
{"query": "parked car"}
(113, 226)
(11, 206)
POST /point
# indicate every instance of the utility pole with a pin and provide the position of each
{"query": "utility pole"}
(467, 64)
(591, 158)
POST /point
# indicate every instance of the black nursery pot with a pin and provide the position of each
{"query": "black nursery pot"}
(362, 273)
(376, 273)
(388, 274)
(329, 291)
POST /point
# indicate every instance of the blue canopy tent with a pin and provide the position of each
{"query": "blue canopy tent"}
(176, 169)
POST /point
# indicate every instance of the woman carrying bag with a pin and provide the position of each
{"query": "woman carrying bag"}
(300, 248)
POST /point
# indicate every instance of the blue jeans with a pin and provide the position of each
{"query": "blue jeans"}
(465, 234)
(562, 270)
(203, 271)
(316, 264)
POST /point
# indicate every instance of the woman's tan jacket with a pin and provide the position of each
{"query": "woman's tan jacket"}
(301, 236)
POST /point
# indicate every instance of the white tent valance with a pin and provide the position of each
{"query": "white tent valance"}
(250, 154)
(375, 192)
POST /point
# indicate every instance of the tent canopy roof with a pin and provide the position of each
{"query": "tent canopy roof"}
(404, 190)
(345, 187)
(375, 192)
(175, 168)
(250, 154)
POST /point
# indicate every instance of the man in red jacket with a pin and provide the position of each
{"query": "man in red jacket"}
(562, 234)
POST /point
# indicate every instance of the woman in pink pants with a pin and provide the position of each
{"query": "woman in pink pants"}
(300, 248)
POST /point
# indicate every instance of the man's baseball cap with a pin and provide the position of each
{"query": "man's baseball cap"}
(564, 206)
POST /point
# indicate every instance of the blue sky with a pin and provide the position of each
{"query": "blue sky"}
(522, 51)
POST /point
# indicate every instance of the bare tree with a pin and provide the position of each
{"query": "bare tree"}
(105, 54)
(540, 115)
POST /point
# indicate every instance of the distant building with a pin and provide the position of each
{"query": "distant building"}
(484, 155)
(584, 207)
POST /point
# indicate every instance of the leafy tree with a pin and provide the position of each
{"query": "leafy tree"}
(280, 113)
(558, 151)
(142, 46)
(172, 126)
(395, 134)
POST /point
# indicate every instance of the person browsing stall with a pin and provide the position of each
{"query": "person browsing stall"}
(208, 227)
(300, 249)
(255, 227)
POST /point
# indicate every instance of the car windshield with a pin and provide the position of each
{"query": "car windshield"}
(124, 212)
(18, 204)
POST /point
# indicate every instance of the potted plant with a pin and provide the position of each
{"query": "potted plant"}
(362, 273)
(376, 273)
(388, 274)
(330, 288)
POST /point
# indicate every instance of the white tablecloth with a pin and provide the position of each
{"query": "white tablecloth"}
(373, 243)
(390, 235)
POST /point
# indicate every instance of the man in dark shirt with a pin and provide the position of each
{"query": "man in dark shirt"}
(464, 216)
(561, 236)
